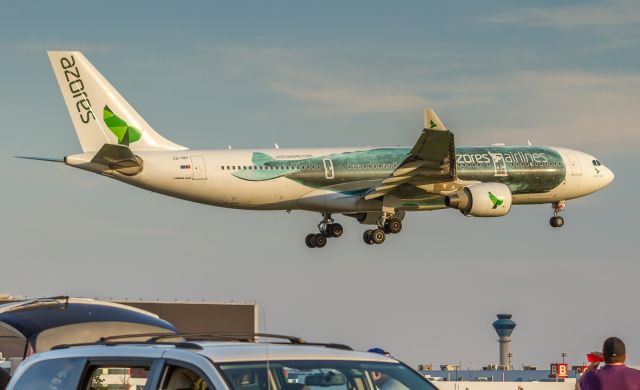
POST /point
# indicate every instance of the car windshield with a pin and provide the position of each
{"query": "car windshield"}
(322, 374)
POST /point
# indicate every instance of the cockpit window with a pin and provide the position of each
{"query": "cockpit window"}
(596, 163)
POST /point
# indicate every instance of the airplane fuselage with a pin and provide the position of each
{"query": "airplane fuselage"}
(335, 180)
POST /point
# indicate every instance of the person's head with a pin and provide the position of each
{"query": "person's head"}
(378, 377)
(614, 351)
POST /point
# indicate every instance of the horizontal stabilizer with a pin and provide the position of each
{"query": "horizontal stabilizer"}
(47, 159)
(119, 158)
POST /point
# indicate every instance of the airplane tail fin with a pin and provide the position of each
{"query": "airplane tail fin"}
(99, 113)
(432, 122)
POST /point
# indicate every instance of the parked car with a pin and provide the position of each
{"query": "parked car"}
(213, 361)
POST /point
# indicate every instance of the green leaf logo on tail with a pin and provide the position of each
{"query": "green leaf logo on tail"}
(496, 202)
(432, 124)
(126, 134)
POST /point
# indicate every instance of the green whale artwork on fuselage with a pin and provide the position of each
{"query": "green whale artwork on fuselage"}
(525, 169)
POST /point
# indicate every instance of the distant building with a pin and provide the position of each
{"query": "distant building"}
(504, 326)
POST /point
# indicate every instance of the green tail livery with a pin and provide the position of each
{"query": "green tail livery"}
(126, 134)
(496, 202)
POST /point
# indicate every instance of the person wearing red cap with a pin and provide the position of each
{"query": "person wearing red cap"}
(615, 375)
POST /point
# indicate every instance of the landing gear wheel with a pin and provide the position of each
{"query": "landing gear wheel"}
(335, 230)
(310, 240)
(393, 226)
(378, 236)
(556, 221)
(367, 237)
(320, 240)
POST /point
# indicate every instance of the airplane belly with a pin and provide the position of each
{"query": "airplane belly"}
(237, 192)
(277, 194)
(268, 192)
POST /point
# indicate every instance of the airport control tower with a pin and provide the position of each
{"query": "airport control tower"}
(504, 325)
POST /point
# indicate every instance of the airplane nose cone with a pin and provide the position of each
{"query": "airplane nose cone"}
(608, 176)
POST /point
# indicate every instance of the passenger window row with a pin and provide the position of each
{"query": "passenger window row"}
(304, 167)
(372, 166)
(266, 168)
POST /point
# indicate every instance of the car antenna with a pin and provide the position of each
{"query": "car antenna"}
(266, 347)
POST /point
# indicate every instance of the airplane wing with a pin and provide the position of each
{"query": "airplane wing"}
(430, 164)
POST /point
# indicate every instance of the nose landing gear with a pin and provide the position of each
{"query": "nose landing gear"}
(557, 221)
(328, 228)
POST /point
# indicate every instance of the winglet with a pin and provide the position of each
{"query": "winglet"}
(432, 122)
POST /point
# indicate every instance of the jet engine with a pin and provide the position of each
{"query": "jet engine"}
(481, 200)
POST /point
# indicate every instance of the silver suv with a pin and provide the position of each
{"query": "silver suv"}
(221, 361)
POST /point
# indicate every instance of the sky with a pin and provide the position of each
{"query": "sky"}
(334, 73)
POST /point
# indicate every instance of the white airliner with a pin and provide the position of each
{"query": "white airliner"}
(376, 185)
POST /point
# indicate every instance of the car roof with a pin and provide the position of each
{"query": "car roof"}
(244, 352)
(218, 352)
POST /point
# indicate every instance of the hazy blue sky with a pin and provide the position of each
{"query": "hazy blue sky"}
(335, 73)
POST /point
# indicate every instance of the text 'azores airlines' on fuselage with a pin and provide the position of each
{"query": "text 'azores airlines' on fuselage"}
(375, 185)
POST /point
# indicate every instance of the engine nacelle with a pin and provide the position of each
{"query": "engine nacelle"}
(481, 200)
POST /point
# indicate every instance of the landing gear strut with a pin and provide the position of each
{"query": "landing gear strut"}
(328, 228)
(557, 221)
(386, 225)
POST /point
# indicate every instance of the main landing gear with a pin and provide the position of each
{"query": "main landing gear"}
(385, 226)
(328, 229)
(557, 221)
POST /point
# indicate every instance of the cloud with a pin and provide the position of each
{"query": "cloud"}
(347, 97)
(578, 108)
(584, 109)
(307, 77)
(608, 13)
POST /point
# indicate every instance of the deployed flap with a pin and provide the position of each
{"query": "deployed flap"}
(120, 158)
(431, 160)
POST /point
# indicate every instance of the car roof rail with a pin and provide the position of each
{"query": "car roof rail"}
(248, 337)
(186, 339)
(202, 336)
(177, 344)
